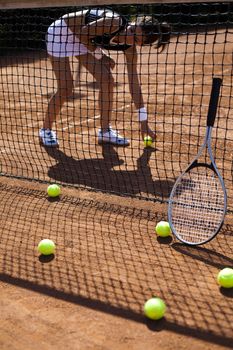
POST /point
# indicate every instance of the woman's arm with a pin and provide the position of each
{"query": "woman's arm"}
(136, 92)
(98, 28)
(134, 85)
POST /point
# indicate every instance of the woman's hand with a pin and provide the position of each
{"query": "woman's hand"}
(108, 61)
(146, 131)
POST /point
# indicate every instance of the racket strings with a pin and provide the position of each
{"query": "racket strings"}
(198, 205)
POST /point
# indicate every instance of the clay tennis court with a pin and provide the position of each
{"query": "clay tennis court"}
(108, 262)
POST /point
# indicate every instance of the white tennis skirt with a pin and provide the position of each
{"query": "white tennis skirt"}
(61, 41)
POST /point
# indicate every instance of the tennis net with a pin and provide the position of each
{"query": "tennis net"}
(175, 84)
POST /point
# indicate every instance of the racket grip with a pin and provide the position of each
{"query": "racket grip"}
(213, 104)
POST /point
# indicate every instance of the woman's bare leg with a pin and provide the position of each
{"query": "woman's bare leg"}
(62, 71)
(102, 73)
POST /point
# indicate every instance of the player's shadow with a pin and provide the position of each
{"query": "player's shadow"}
(99, 173)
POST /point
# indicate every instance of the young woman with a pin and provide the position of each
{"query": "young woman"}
(85, 34)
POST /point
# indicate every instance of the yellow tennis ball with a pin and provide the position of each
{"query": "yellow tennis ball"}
(163, 229)
(46, 247)
(53, 190)
(155, 308)
(147, 141)
(225, 277)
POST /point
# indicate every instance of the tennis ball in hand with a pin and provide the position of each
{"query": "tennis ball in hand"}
(155, 308)
(53, 190)
(163, 229)
(225, 277)
(147, 141)
(46, 247)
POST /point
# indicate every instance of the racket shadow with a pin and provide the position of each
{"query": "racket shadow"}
(204, 255)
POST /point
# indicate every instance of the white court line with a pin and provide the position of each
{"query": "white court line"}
(30, 125)
(72, 125)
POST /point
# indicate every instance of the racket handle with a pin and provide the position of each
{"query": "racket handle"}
(213, 104)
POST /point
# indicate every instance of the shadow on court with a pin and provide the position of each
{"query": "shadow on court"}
(157, 326)
(108, 260)
(99, 173)
(205, 255)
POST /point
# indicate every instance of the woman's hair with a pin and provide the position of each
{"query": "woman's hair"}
(154, 31)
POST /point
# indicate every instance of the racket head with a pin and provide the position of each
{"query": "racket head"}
(197, 204)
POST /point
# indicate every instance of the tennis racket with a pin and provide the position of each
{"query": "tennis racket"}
(198, 200)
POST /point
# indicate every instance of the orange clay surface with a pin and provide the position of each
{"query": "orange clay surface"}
(108, 262)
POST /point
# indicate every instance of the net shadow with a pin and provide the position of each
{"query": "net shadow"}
(109, 259)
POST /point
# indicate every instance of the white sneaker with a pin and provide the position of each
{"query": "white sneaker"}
(113, 137)
(48, 138)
